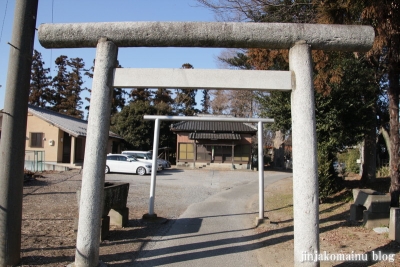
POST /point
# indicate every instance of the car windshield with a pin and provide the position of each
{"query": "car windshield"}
(131, 158)
(149, 156)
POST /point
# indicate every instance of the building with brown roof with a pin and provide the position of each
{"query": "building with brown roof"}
(202, 143)
(53, 138)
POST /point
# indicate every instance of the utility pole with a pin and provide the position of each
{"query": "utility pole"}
(12, 146)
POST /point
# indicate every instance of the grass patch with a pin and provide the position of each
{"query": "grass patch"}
(280, 203)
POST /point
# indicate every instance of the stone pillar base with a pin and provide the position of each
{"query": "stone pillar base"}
(149, 217)
(394, 224)
(101, 264)
(119, 217)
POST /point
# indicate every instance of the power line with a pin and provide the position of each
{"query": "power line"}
(52, 21)
(4, 19)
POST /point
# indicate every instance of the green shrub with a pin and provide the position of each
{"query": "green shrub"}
(349, 158)
(328, 180)
(383, 171)
(351, 163)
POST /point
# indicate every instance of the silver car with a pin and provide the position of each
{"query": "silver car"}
(147, 156)
(126, 164)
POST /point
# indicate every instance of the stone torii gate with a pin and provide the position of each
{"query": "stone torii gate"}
(299, 38)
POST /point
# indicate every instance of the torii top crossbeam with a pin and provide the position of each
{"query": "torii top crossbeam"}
(208, 34)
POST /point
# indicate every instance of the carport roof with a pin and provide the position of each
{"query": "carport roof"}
(73, 126)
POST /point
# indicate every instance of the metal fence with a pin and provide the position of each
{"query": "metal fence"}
(34, 160)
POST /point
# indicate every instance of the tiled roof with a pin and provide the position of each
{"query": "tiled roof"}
(213, 126)
(215, 136)
(73, 126)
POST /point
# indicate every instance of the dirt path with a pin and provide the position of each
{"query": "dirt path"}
(216, 232)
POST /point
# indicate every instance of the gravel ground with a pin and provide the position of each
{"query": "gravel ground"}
(50, 209)
(177, 189)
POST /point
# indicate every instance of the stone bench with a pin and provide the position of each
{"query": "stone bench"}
(370, 206)
(115, 211)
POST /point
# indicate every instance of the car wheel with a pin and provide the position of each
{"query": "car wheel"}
(107, 169)
(141, 171)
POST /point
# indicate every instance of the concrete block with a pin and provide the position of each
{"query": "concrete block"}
(361, 195)
(394, 224)
(259, 221)
(375, 219)
(115, 196)
(119, 217)
(114, 199)
(356, 212)
(378, 203)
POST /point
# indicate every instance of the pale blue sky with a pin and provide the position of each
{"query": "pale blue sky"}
(60, 11)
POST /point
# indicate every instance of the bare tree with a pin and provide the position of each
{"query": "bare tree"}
(261, 10)
(220, 102)
(242, 103)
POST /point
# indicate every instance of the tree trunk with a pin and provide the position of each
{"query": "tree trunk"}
(279, 149)
(386, 138)
(369, 155)
(394, 132)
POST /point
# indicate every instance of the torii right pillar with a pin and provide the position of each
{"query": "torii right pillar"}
(304, 141)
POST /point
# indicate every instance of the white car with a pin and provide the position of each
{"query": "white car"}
(147, 156)
(127, 164)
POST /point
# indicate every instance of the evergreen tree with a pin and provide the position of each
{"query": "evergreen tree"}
(67, 85)
(40, 93)
(163, 102)
(72, 101)
(129, 123)
(205, 102)
(140, 94)
(118, 98)
(137, 132)
(89, 73)
(60, 83)
(185, 99)
(162, 95)
(238, 61)
(385, 56)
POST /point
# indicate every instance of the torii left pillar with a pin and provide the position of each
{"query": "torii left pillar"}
(91, 204)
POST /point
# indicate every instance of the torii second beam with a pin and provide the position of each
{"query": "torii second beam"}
(203, 78)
